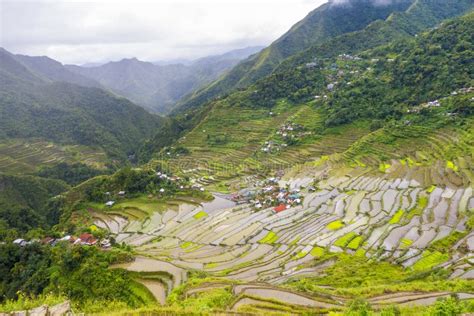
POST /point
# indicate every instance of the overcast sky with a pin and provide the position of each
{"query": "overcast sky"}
(84, 31)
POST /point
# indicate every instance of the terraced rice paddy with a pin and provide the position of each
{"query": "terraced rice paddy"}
(26, 156)
(367, 203)
(354, 213)
(239, 154)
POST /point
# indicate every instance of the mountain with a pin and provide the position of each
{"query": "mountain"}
(33, 105)
(327, 21)
(159, 87)
(328, 98)
(301, 70)
(23, 202)
(346, 178)
(52, 70)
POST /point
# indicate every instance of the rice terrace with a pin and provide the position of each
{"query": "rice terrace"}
(286, 157)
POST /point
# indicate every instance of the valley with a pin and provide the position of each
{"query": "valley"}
(331, 173)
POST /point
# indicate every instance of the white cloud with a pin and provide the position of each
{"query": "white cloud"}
(75, 31)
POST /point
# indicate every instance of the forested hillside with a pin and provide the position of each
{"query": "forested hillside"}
(159, 87)
(405, 18)
(329, 20)
(32, 107)
(24, 204)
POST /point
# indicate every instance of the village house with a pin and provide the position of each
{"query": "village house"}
(20, 242)
(87, 239)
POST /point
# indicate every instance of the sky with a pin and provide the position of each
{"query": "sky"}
(88, 31)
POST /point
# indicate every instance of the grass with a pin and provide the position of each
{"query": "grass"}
(431, 189)
(200, 215)
(344, 240)
(359, 277)
(317, 252)
(355, 243)
(418, 209)
(445, 244)
(383, 167)
(139, 207)
(142, 294)
(396, 217)
(186, 244)
(335, 225)
(300, 255)
(430, 259)
(270, 238)
(25, 303)
(451, 165)
(405, 243)
(144, 204)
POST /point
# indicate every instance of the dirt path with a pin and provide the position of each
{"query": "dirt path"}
(157, 289)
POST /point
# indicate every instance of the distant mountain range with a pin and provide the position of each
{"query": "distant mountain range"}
(158, 86)
(40, 98)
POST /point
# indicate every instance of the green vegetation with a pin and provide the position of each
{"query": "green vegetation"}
(451, 165)
(396, 217)
(28, 156)
(359, 277)
(270, 238)
(81, 273)
(418, 209)
(405, 243)
(200, 215)
(355, 243)
(429, 259)
(317, 252)
(66, 113)
(445, 245)
(335, 225)
(211, 300)
(313, 34)
(25, 205)
(344, 240)
(72, 174)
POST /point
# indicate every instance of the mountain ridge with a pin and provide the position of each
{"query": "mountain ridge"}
(317, 26)
(159, 87)
(34, 106)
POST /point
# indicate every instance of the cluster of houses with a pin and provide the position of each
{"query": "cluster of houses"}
(163, 176)
(110, 202)
(270, 147)
(437, 103)
(349, 57)
(85, 239)
(270, 195)
(463, 91)
(289, 132)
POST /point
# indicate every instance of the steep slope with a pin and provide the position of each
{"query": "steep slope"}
(302, 77)
(298, 79)
(34, 107)
(390, 82)
(158, 87)
(327, 21)
(23, 201)
(54, 71)
(423, 14)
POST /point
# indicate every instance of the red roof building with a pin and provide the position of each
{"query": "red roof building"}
(280, 208)
(87, 239)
